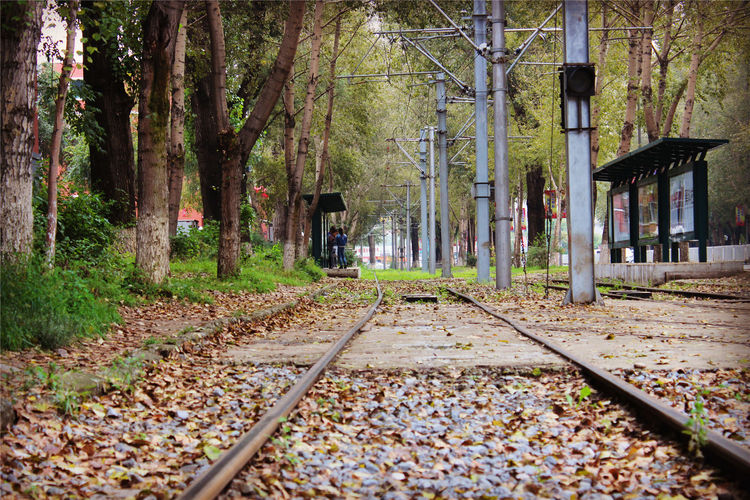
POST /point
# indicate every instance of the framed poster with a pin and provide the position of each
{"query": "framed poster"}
(648, 210)
(681, 204)
(620, 216)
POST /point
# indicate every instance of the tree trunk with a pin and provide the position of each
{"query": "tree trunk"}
(535, 203)
(111, 154)
(652, 126)
(294, 182)
(669, 119)
(371, 246)
(324, 159)
(152, 230)
(462, 234)
(695, 60)
(57, 132)
(595, 108)
(518, 229)
(207, 148)
(634, 53)
(271, 91)
(18, 45)
(176, 154)
(663, 57)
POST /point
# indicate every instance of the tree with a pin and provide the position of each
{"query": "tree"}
(176, 152)
(108, 69)
(152, 230)
(19, 36)
(57, 133)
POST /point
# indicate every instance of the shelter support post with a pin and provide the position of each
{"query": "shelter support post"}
(633, 192)
(578, 150)
(663, 193)
(700, 187)
(317, 236)
(502, 180)
(445, 233)
(482, 187)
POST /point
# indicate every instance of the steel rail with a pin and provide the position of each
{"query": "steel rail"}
(671, 291)
(211, 483)
(717, 446)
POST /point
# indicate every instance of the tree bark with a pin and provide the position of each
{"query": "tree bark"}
(518, 229)
(207, 148)
(595, 108)
(695, 60)
(535, 203)
(152, 230)
(294, 183)
(231, 175)
(634, 53)
(176, 154)
(371, 246)
(111, 153)
(652, 126)
(18, 45)
(57, 132)
(663, 58)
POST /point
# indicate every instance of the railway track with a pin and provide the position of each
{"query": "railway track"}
(731, 457)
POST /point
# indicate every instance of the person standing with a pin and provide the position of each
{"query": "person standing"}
(341, 240)
(331, 242)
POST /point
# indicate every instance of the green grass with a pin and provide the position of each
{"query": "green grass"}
(458, 272)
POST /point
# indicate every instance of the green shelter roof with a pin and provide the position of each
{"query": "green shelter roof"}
(328, 202)
(662, 154)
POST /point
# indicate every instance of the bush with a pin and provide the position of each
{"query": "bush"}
(310, 268)
(196, 243)
(48, 307)
(471, 260)
(83, 231)
(537, 253)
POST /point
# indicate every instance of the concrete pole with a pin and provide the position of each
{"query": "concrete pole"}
(394, 250)
(432, 200)
(407, 250)
(384, 265)
(423, 200)
(502, 180)
(482, 191)
(445, 227)
(577, 144)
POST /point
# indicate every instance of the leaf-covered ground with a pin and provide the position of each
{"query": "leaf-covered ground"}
(471, 434)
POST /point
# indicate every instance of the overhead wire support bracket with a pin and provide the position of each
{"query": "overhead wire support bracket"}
(526, 44)
(456, 26)
(466, 88)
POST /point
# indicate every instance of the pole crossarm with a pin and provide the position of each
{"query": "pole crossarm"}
(412, 160)
(526, 44)
(437, 63)
(456, 26)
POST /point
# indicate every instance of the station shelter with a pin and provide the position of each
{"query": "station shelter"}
(658, 197)
(327, 203)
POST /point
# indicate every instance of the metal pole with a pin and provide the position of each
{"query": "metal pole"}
(482, 191)
(408, 226)
(384, 266)
(423, 201)
(577, 141)
(445, 230)
(502, 180)
(432, 200)
(394, 243)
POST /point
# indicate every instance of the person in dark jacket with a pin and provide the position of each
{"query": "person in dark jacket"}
(331, 241)
(341, 240)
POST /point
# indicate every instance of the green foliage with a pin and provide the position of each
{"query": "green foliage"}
(49, 307)
(196, 243)
(310, 268)
(83, 231)
(695, 427)
(125, 372)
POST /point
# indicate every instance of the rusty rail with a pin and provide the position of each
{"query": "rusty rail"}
(213, 480)
(724, 451)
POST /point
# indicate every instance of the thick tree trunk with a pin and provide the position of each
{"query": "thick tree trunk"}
(535, 203)
(152, 230)
(231, 175)
(695, 60)
(111, 154)
(371, 246)
(176, 154)
(663, 57)
(18, 44)
(463, 228)
(57, 132)
(294, 182)
(289, 210)
(207, 148)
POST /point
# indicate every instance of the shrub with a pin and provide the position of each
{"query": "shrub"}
(196, 243)
(471, 260)
(310, 268)
(48, 307)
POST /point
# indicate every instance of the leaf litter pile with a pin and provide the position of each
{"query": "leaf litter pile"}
(476, 433)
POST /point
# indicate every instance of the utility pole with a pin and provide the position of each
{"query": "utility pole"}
(445, 232)
(432, 200)
(578, 80)
(423, 199)
(394, 244)
(408, 226)
(481, 184)
(502, 180)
